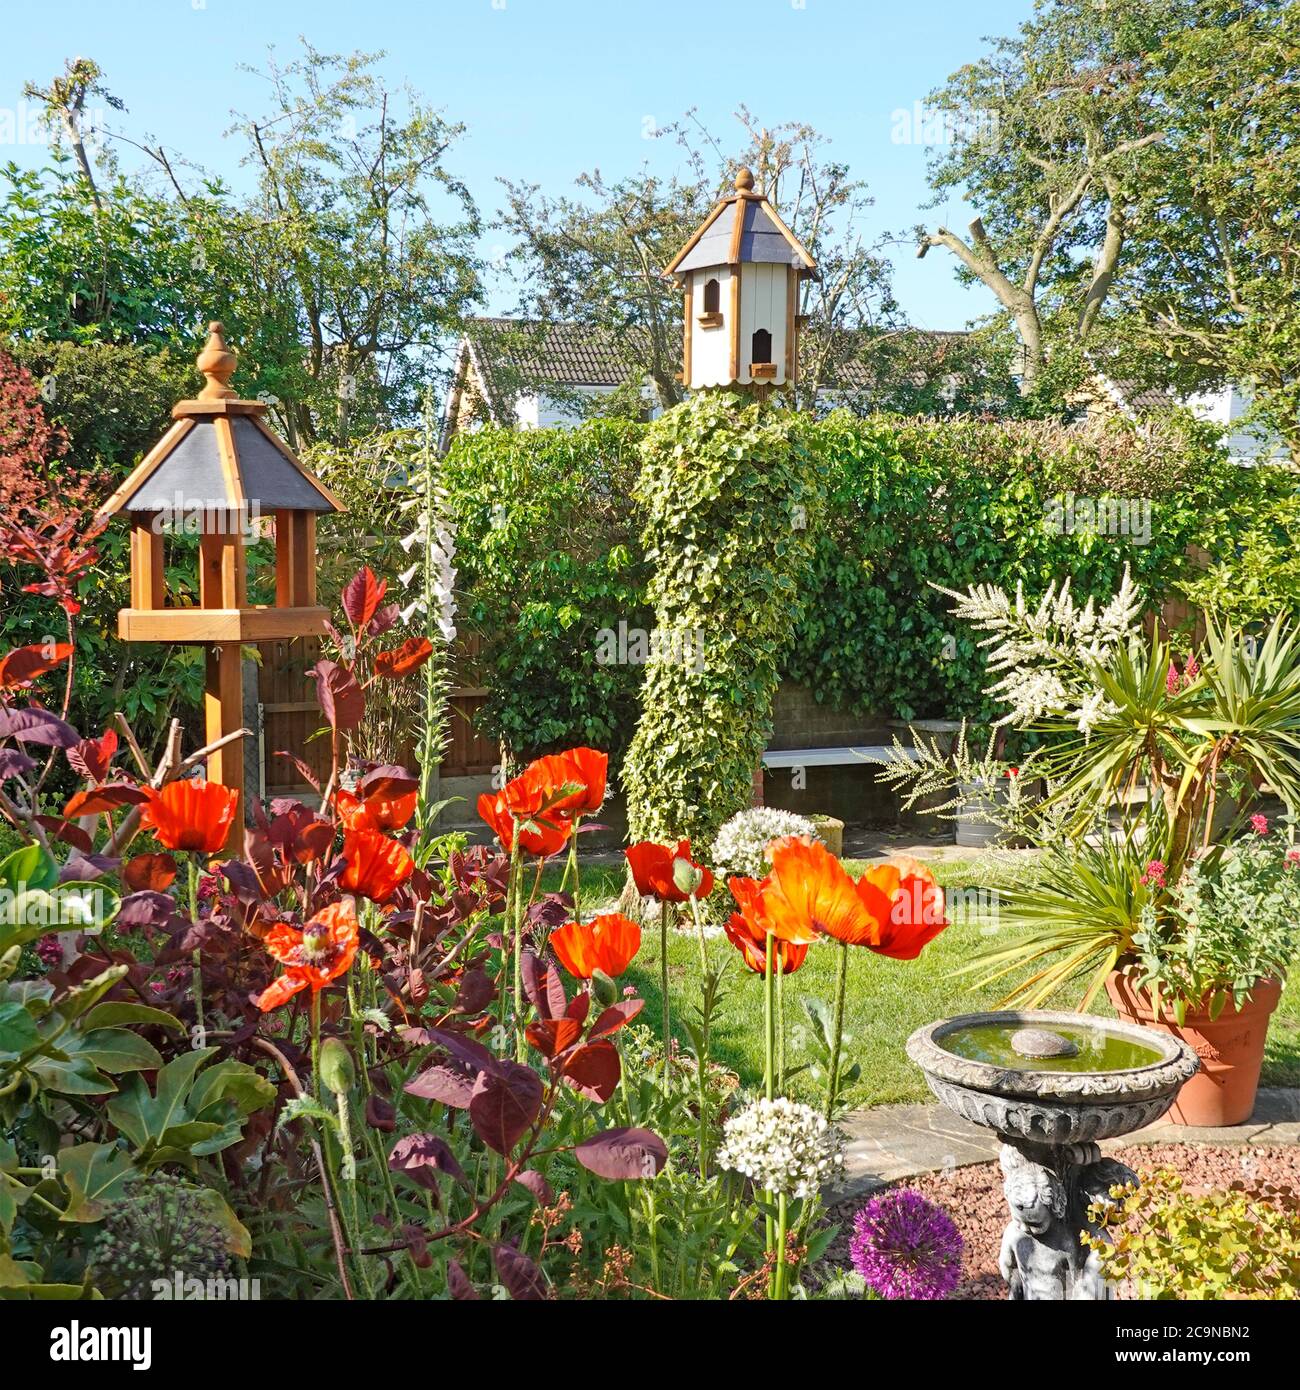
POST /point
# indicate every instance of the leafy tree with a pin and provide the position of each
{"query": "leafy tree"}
(1213, 279)
(1048, 136)
(598, 258)
(344, 235)
(339, 278)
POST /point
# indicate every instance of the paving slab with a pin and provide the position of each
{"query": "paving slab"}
(888, 1143)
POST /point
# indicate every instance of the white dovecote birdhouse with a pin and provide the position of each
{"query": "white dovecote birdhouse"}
(740, 273)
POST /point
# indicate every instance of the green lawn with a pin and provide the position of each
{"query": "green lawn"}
(887, 999)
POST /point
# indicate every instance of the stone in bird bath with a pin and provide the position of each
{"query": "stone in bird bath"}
(1042, 1042)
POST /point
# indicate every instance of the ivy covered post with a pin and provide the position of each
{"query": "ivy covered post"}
(731, 497)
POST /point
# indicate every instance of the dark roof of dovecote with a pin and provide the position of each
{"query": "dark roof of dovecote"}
(742, 229)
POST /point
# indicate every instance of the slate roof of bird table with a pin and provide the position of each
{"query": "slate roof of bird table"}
(192, 470)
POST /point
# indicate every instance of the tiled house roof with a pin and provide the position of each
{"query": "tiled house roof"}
(501, 358)
(560, 354)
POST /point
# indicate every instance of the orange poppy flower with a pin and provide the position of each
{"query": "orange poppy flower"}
(190, 815)
(375, 812)
(584, 769)
(810, 894)
(539, 836)
(313, 955)
(652, 868)
(607, 943)
(376, 866)
(747, 930)
(907, 902)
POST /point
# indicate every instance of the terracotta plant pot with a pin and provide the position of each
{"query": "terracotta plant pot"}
(1231, 1049)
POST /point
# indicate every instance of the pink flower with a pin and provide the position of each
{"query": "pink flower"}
(1259, 824)
(1171, 679)
(1292, 858)
(1191, 670)
(1154, 874)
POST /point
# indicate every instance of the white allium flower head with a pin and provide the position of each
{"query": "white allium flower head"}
(782, 1146)
(741, 846)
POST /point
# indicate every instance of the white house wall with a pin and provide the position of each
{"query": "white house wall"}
(534, 412)
(1226, 407)
(711, 347)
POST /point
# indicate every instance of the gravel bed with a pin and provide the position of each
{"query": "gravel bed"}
(973, 1198)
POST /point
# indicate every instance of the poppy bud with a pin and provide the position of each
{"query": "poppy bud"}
(336, 1068)
(604, 988)
(686, 877)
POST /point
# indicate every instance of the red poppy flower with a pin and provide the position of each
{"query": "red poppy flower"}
(192, 815)
(607, 943)
(583, 770)
(747, 930)
(376, 866)
(809, 894)
(539, 836)
(654, 871)
(906, 901)
(375, 812)
(313, 955)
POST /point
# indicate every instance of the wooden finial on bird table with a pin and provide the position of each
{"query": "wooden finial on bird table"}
(217, 363)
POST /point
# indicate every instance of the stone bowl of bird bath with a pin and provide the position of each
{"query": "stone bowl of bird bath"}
(1052, 1085)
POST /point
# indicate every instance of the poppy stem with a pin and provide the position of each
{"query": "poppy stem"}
(769, 1077)
(663, 987)
(837, 1030)
(706, 1015)
(513, 921)
(769, 1074)
(780, 1026)
(197, 958)
(315, 1043)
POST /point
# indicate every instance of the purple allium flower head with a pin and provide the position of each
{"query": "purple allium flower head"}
(906, 1247)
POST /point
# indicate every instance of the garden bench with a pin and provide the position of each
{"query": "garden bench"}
(775, 758)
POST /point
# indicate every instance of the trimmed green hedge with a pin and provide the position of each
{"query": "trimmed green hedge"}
(959, 502)
(549, 555)
(551, 551)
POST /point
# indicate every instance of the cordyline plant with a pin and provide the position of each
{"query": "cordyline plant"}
(1152, 766)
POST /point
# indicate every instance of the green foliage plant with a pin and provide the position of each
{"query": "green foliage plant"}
(1168, 1243)
(732, 499)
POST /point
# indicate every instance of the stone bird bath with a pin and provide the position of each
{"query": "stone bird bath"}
(1051, 1085)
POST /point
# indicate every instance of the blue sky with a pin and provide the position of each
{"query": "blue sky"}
(548, 88)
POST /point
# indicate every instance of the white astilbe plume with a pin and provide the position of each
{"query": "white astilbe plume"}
(782, 1146)
(1046, 656)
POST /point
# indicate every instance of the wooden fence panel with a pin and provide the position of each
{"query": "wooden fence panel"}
(290, 715)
